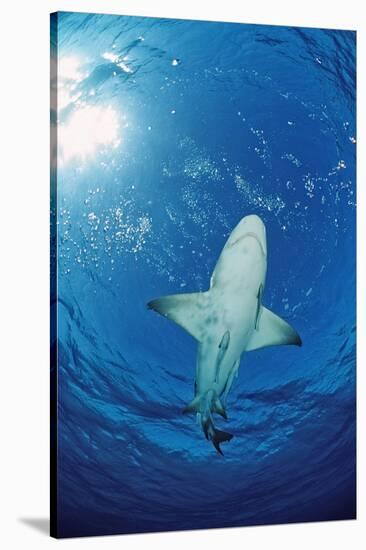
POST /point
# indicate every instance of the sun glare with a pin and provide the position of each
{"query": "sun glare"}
(69, 75)
(69, 68)
(113, 58)
(90, 129)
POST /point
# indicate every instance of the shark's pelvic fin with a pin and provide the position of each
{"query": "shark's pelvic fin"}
(230, 380)
(219, 408)
(223, 346)
(187, 310)
(225, 341)
(204, 405)
(272, 331)
(193, 406)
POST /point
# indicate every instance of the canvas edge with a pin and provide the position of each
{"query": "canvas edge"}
(53, 277)
(214, 21)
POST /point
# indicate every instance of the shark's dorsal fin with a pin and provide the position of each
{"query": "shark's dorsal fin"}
(272, 331)
(187, 310)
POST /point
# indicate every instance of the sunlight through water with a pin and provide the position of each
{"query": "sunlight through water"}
(89, 129)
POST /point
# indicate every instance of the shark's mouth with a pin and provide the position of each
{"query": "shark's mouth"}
(251, 235)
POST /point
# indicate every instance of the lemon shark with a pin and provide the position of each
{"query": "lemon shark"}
(227, 320)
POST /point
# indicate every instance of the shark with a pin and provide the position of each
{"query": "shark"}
(227, 320)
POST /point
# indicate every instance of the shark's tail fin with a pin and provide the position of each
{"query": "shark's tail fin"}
(215, 435)
(204, 406)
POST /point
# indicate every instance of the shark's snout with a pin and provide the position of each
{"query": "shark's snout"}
(250, 226)
(253, 224)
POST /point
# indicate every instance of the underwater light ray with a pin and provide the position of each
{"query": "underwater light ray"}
(89, 129)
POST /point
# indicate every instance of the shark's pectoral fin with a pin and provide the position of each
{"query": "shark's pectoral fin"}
(272, 331)
(259, 306)
(187, 310)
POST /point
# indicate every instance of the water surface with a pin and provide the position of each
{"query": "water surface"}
(169, 133)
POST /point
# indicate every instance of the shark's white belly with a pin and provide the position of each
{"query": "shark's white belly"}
(235, 318)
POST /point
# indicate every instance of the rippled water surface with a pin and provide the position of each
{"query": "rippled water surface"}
(169, 133)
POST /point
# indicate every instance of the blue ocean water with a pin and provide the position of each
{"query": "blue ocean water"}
(169, 133)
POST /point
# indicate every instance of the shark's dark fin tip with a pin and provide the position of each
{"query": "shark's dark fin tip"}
(219, 437)
(217, 447)
(205, 430)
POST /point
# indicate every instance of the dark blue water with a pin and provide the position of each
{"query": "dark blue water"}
(169, 133)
